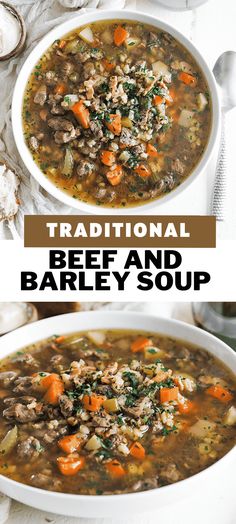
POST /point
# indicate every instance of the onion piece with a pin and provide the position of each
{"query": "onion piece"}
(202, 428)
(72, 46)
(230, 417)
(132, 42)
(68, 163)
(87, 35)
(97, 337)
(9, 441)
(201, 101)
(69, 100)
(161, 69)
(186, 118)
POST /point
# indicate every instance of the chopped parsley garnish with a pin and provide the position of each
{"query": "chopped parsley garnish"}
(131, 377)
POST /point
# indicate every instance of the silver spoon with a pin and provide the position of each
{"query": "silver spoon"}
(225, 75)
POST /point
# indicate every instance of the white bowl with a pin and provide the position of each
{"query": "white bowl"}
(127, 504)
(33, 58)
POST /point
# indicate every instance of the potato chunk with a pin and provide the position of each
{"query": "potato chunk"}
(93, 443)
(111, 405)
(202, 428)
(230, 417)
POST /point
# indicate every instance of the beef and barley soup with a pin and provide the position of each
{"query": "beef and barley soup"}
(107, 412)
(117, 113)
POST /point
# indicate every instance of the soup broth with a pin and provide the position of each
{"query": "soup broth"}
(117, 113)
(109, 412)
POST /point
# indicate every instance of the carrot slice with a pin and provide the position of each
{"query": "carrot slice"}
(60, 89)
(114, 124)
(157, 99)
(115, 176)
(137, 450)
(108, 157)
(115, 468)
(92, 402)
(186, 407)
(187, 79)
(152, 151)
(219, 393)
(54, 392)
(70, 443)
(62, 44)
(47, 381)
(109, 66)
(81, 112)
(174, 114)
(70, 465)
(168, 394)
(120, 35)
(143, 171)
(60, 339)
(140, 343)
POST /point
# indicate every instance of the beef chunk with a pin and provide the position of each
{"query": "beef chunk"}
(51, 78)
(104, 194)
(63, 137)
(7, 377)
(25, 400)
(85, 168)
(23, 385)
(102, 421)
(170, 473)
(49, 431)
(29, 449)
(60, 124)
(67, 68)
(89, 70)
(177, 166)
(54, 101)
(143, 485)
(96, 129)
(169, 181)
(40, 480)
(141, 408)
(66, 406)
(23, 413)
(57, 362)
(26, 360)
(40, 96)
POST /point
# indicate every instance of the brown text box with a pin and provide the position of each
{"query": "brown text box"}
(201, 231)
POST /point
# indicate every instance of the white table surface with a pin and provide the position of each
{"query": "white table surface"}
(213, 502)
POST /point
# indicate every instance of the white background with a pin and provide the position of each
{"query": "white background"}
(218, 262)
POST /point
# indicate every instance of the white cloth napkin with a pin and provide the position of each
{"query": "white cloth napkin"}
(40, 17)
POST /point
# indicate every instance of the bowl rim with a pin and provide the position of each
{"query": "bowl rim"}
(21, 83)
(127, 317)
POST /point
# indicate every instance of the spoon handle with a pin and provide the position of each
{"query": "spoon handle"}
(219, 192)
